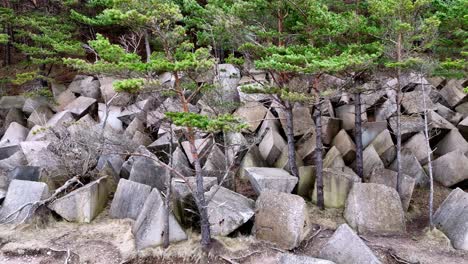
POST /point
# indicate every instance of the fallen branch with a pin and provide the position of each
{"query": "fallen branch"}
(33, 206)
(399, 259)
(313, 236)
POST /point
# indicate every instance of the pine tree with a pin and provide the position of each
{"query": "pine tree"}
(179, 57)
(406, 33)
(44, 38)
(296, 43)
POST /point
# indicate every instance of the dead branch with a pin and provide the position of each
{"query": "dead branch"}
(33, 206)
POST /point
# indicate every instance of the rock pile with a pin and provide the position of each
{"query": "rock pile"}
(121, 143)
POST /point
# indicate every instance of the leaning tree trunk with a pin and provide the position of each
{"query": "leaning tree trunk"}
(429, 160)
(199, 195)
(358, 135)
(290, 137)
(319, 153)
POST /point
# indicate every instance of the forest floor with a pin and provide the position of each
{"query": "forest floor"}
(108, 241)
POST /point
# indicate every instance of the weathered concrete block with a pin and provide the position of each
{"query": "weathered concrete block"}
(85, 86)
(386, 110)
(389, 178)
(15, 134)
(227, 210)
(383, 145)
(417, 144)
(8, 102)
(181, 188)
(271, 146)
(336, 185)
(409, 125)
(453, 92)
(288, 258)
(83, 204)
(129, 199)
(333, 159)
(412, 102)
(452, 218)
(370, 131)
(281, 219)
(345, 145)
(39, 116)
(452, 141)
(330, 127)
(148, 171)
(306, 148)
(445, 112)
(20, 193)
(283, 161)
(81, 106)
(148, 228)
(346, 114)
(463, 128)
(345, 247)
(107, 92)
(371, 161)
(202, 145)
(410, 166)
(450, 168)
(25, 173)
(436, 121)
(374, 208)
(216, 163)
(14, 115)
(306, 181)
(137, 110)
(112, 116)
(462, 109)
(252, 113)
(302, 119)
(60, 118)
(10, 157)
(252, 158)
(271, 178)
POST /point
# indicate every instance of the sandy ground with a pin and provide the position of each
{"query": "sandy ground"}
(106, 241)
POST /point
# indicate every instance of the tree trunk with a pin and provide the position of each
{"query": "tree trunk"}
(398, 113)
(358, 135)
(429, 160)
(290, 137)
(167, 200)
(319, 153)
(199, 194)
(147, 46)
(42, 72)
(7, 46)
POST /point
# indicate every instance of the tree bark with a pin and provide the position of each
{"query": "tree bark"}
(199, 193)
(147, 46)
(398, 113)
(167, 200)
(429, 160)
(358, 135)
(319, 153)
(290, 137)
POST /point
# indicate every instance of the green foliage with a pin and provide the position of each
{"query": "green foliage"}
(25, 77)
(42, 92)
(49, 38)
(226, 122)
(129, 85)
